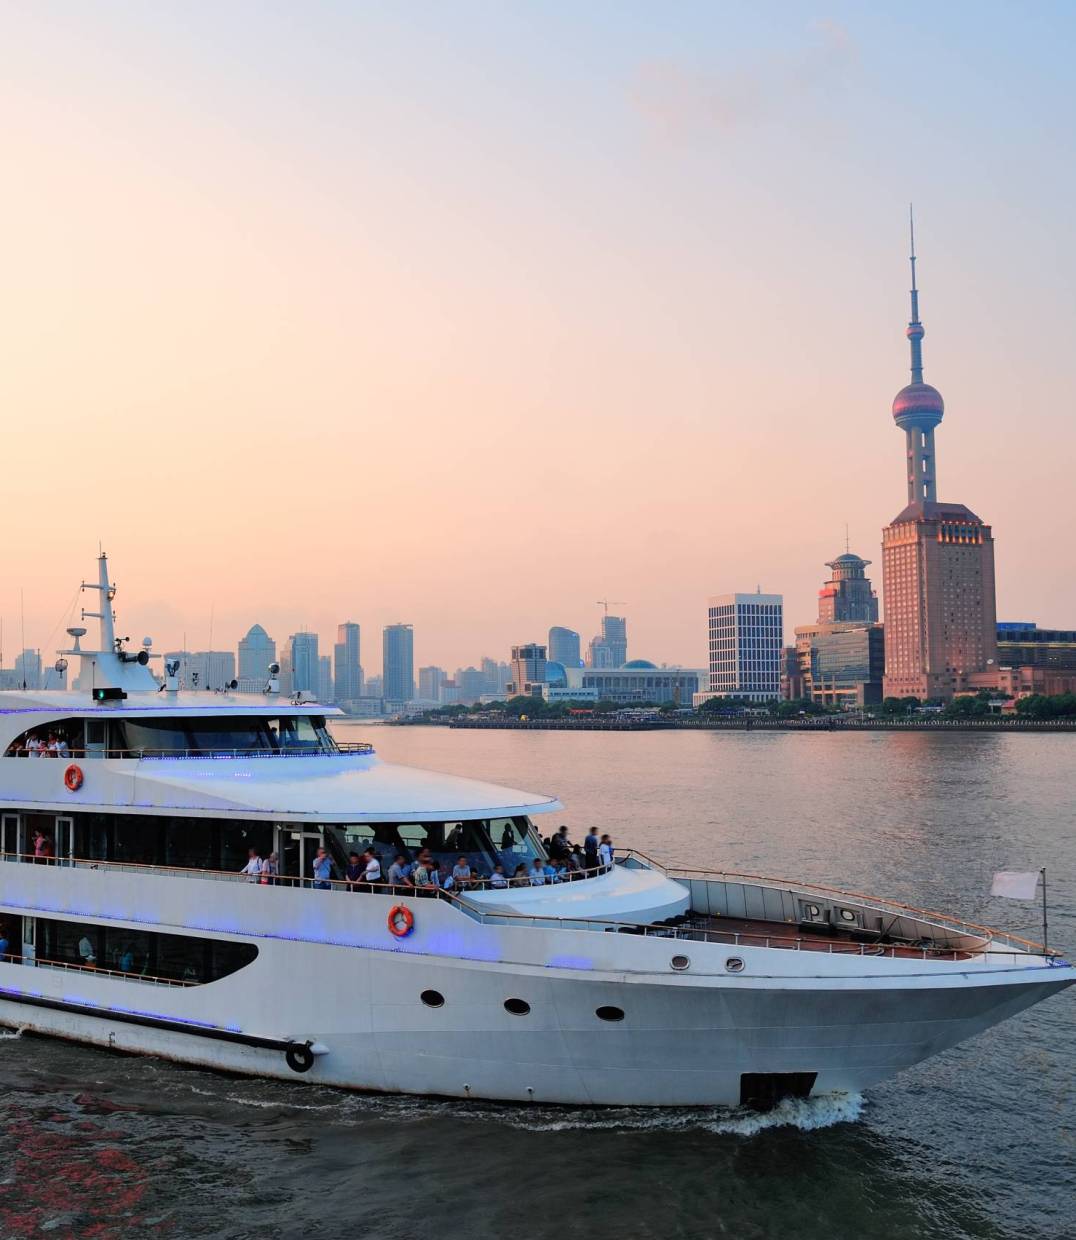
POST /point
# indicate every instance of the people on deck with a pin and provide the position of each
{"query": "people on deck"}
(353, 871)
(371, 869)
(400, 871)
(461, 873)
(559, 844)
(536, 875)
(497, 878)
(605, 851)
(323, 870)
(253, 868)
(590, 849)
(269, 871)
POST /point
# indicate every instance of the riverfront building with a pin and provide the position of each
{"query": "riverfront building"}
(564, 647)
(746, 633)
(347, 669)
(256, 651)
(847, 597)
(528, 669)
(937, 560)
(398, 663)
(305, 668)
(611, 648)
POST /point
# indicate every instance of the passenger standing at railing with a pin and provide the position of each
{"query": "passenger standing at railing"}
(400, 872)
(420, 875)
(253, 867)
(353, 872)
(5, 946)
(559, 845)
(461, 874)
(270, 870)
(605, 851)
(590, 848)
(322, 866)
(371, 869)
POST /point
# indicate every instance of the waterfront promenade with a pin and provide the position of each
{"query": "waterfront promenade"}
(825, 723)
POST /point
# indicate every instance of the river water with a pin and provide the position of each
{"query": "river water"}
(979, 1142)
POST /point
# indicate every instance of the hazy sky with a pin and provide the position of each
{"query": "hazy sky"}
(470, 314)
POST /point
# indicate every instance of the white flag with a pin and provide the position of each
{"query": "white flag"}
(1015, 885)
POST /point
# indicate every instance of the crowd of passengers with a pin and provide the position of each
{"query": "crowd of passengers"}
(41, 745)
(425, 873)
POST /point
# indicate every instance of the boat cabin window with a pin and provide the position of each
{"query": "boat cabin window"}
(194, 735)
(485, 842)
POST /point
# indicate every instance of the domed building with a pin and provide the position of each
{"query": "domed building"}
(848, 595)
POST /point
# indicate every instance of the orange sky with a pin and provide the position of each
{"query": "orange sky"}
(470, 317)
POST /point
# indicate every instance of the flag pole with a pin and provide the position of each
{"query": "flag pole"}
(1045, 941)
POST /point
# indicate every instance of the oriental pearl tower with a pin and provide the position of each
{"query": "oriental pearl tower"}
(918, 408)
(937, 563)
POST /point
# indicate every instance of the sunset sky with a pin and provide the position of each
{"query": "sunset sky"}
(471, 314)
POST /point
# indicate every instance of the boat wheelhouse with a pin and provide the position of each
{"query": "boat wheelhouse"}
(128, 918)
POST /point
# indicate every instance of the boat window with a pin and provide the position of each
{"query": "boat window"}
(151, 735)
(515, 841)
(172, 957)
(60, 738)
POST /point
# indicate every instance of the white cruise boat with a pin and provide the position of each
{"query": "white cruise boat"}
(128, 924)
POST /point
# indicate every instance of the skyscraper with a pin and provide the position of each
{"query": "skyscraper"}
(611, 649)
(937, 559)
(304, 663)
(564, 647)
(398, 663)
(256, 651)
(430, 680)
(347, 669)
(746, 646)
(528, 669)
(325, 679)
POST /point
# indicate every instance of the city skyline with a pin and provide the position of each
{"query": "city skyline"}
(702, 334)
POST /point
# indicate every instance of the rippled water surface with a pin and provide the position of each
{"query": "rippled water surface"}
(980, 1142)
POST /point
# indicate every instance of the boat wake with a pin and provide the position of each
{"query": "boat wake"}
(807, 1114)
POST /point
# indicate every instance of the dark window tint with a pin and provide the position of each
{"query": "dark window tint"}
(609, 1013)
(432, 998)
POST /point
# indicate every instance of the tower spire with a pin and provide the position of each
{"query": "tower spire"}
(915, 328)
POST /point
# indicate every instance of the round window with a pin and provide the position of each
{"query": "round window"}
(680, 963)
(517, 1007)
(432, 998)
(609, 1013)
(734, 964)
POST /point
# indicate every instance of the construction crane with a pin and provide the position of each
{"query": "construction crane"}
(610, 602)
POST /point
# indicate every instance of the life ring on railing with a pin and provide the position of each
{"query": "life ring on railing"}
(401, 921)
(73, 778)
(299, 1057)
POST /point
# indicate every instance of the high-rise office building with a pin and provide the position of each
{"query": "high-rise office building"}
(746, 634)
(28, 669)
(528, 669)
(325, 679)
(304, 663)
(937, 560)
(496, 675)
(347, 669)
(430, 680)
(847, 597)
(564, 647)
(256, 651)
(611, 648)
(398, 663)
(204, 669)
(471, 682)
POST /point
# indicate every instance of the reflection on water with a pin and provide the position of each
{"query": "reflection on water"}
(977, 1143)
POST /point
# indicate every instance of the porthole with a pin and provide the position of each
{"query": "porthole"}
(680, 963)
(432, 998)
(517, 1007)
(734, 964)
(609, 1013)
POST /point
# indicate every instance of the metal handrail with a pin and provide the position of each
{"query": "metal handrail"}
(339, 749)
(883, 903)
(286, 880)
(96, 970)
(738, 938)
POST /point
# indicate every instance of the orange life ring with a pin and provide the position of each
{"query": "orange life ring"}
(73, 778)
(401, 921)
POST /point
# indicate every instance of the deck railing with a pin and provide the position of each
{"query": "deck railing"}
(359, 748)
(124, 975)
(688, 931)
